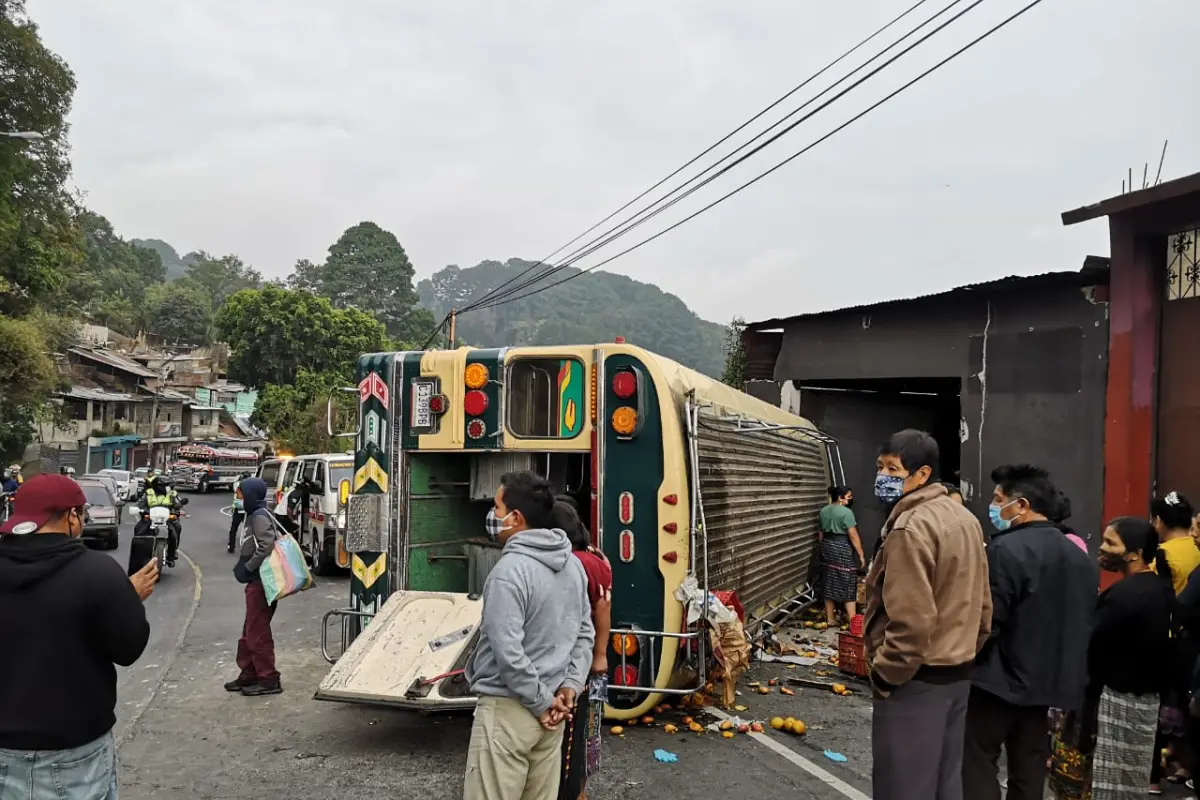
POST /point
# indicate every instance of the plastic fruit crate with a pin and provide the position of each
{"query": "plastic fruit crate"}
(852, 656)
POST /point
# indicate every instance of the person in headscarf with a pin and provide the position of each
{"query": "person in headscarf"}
(256, 648)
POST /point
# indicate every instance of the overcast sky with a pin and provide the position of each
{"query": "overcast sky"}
(486, 130)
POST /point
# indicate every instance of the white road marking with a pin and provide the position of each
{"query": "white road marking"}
(827, 778)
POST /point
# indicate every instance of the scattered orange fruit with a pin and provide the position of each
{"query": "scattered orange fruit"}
(669, 728)
(776, 723)
(616, 730)
(728, 734)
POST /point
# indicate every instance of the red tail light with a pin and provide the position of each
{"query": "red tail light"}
(475, 403)
(625, 676)
(624, 384)
(625, 546)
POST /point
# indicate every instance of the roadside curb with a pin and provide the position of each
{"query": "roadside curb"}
(169, 664)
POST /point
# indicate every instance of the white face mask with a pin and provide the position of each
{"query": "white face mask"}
(495, 525)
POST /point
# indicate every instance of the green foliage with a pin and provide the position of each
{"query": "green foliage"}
(368, 269)
(735, 355)
(294, 414)
(178, 313)
(220, 278)
(114, 276)
(594, 308)
(274, 333)
(38, 243)
(27, 376)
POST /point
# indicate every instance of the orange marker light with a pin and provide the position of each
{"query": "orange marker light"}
(625, 644)
(624, 420)
(476, 376)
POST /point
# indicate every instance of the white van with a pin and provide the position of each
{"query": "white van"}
(273, 470)
(321, 532)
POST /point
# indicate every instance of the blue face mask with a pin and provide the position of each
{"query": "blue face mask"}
(889, 488)
(999, 522)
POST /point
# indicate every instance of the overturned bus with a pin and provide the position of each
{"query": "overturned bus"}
(682, 477)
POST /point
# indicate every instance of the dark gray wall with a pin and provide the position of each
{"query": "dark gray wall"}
(1032, 367)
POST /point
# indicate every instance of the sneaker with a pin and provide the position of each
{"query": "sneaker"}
(239, 685)
(259, 689)
(229, 549)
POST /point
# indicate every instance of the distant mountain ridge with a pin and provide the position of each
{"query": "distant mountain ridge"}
(176, 265)
(594, 308)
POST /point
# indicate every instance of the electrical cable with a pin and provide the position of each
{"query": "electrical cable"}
(651, 211)
(786, 161)
(727, 137)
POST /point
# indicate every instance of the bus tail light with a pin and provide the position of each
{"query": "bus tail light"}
(624, 384)
(343, 558)
(625, 676)
(475, 403)
(438, 404)
(625, 644)
(624, 421)
(625, 546)
(476, 376)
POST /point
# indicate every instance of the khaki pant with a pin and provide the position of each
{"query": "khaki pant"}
(511, 757)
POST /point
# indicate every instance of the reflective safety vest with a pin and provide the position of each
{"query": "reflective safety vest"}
(153, 499)
(237, 503)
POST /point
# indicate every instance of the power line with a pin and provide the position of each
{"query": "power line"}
(723, 140)
(634, 222)
(787, 160)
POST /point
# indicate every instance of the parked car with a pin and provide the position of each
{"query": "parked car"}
(109, 482)
(102, 520)
(126, 482)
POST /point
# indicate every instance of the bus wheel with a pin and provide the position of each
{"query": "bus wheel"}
(322, 563)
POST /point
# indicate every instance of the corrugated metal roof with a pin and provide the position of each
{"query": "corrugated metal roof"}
(114, 360)
(101, 395)
(1094, 273)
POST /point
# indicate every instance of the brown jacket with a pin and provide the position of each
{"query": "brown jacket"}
(929, 602)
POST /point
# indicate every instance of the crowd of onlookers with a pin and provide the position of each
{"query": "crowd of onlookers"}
(1002, 643)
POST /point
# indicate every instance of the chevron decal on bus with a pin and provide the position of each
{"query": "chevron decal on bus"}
(371, 472)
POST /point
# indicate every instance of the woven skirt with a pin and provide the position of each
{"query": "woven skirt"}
(839, 568)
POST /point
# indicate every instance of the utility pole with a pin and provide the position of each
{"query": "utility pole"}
(453, 317)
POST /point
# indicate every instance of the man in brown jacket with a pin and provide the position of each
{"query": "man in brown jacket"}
(929, 610)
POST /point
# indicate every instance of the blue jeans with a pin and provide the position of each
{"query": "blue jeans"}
(81, 773)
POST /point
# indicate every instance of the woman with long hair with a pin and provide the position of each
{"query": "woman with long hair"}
(1101, 751)
(841, 554)
(581, 739)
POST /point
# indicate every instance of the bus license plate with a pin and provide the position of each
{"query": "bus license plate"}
(421, 415)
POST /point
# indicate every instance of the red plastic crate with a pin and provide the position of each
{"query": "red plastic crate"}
(856, 625)
(852, 656)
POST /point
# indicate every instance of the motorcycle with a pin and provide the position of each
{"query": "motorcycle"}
(156, 537)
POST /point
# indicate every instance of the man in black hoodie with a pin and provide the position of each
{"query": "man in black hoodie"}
(67, 616)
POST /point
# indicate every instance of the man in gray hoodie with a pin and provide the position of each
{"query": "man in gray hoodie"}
(534, 649)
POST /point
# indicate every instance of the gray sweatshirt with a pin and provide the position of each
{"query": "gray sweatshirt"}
(536, 636)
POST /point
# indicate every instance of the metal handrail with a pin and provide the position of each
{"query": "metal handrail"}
(346, 614)
(329, 414)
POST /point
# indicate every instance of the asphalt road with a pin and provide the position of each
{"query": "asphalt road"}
(185, 737)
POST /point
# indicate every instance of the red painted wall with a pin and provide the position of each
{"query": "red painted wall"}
(1134, 311)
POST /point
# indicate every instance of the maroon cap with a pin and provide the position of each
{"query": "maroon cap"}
(41, 499)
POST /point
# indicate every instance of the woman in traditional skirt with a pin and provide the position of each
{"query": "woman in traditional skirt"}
(1102, 754)
(841, 554)
(581, 739)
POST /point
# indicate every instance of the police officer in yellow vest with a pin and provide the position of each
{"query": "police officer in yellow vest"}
(159, 492)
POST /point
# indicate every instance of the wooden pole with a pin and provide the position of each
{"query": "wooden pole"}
(453, 316)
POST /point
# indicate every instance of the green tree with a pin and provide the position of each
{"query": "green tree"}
(368, 269)
(735, 354)
(38, 242)
(114, 275)
(273, 333)
(294, 414)
(220, 278)
(27, 376)
(596, 307)
(179, 313)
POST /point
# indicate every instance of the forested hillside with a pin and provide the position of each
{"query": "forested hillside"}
(593, 308)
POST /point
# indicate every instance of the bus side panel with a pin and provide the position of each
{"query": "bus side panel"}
(634, 466)
(373, 467)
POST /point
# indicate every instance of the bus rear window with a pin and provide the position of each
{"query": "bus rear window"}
(546, 398)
